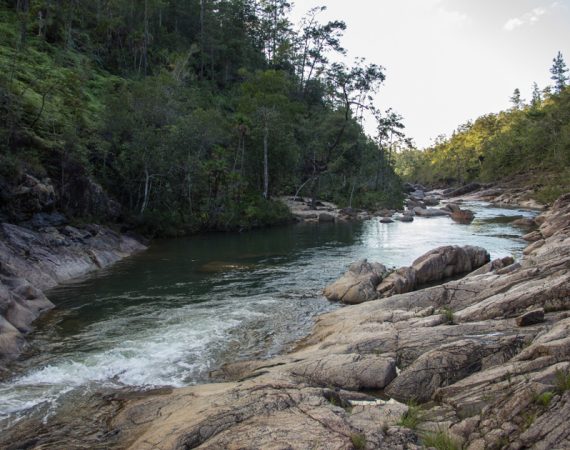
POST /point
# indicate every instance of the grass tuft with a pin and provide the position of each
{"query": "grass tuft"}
(358, 440)
(440, 441)
(562, 380)
(412, 417)
(544, 398)
(447, 314)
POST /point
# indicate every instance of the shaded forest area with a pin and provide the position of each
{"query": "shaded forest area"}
(191, 114)
(530, 142)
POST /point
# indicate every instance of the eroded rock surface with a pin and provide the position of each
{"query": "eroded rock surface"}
(358, 284)
(457, 349)
(32, 261)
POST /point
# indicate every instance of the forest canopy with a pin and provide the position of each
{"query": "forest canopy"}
(531, 140)
(192, 114)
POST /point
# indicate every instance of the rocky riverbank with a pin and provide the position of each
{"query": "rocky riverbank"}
(509, 194)
(482, 362)
(33, 260)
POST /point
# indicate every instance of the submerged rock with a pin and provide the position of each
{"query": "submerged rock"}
(463, 216)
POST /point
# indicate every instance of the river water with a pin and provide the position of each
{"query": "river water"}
(172, 314)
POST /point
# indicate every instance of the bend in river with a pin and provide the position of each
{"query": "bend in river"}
(174, 313)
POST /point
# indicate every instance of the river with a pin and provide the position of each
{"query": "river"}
(174, 313)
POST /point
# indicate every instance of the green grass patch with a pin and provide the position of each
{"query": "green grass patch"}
(562, 380)
(528, 419)
(412, 417)
(358, 440)
(544, 398)
(441, 441)
(447, 314)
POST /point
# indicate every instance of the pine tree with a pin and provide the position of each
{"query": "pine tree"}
(558, 71)
(516, 99)
(536, 96)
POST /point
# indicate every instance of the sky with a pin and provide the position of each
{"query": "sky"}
(449, 61)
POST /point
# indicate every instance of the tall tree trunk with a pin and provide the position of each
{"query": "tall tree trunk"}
(351, 194)
(202, 38)
(266, 161)
(315, 191)
(379, 167)
(23, 8)
(146, 190)
(146, 38)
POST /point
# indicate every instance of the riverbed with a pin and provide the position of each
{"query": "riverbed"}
(171, 315)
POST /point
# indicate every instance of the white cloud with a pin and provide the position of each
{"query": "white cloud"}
(531, 18)
(513, 23)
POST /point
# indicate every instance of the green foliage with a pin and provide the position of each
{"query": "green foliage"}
(562, 380)
(544, 398)
(531, 140)
(193, 115)
(528, 419)
(558, 71)
(358, 440)
(440, 440)
(447, 314)
(412, 417)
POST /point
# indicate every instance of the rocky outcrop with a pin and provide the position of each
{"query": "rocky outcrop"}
(302, 210)
(468, 188)
(443, 262)
(366, 281)
(32, 261)
(358, 284)
(33, 200)
(511, 193)
(482, 381)
(430, 212)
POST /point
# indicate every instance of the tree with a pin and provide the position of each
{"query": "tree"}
(265, 101)
(516, 99)
(558, 71)
(313, 44)
(536, 96)
(274, 32)
(389, 130)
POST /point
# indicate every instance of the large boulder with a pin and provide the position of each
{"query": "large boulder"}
(405, 218)
(444, 262)
(400, 281)
(326, 217)
(358, 284)
(463, 216)
(430, 212)
(431, 200)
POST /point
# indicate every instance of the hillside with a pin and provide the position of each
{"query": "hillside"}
(181, 116)
(527, 146)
